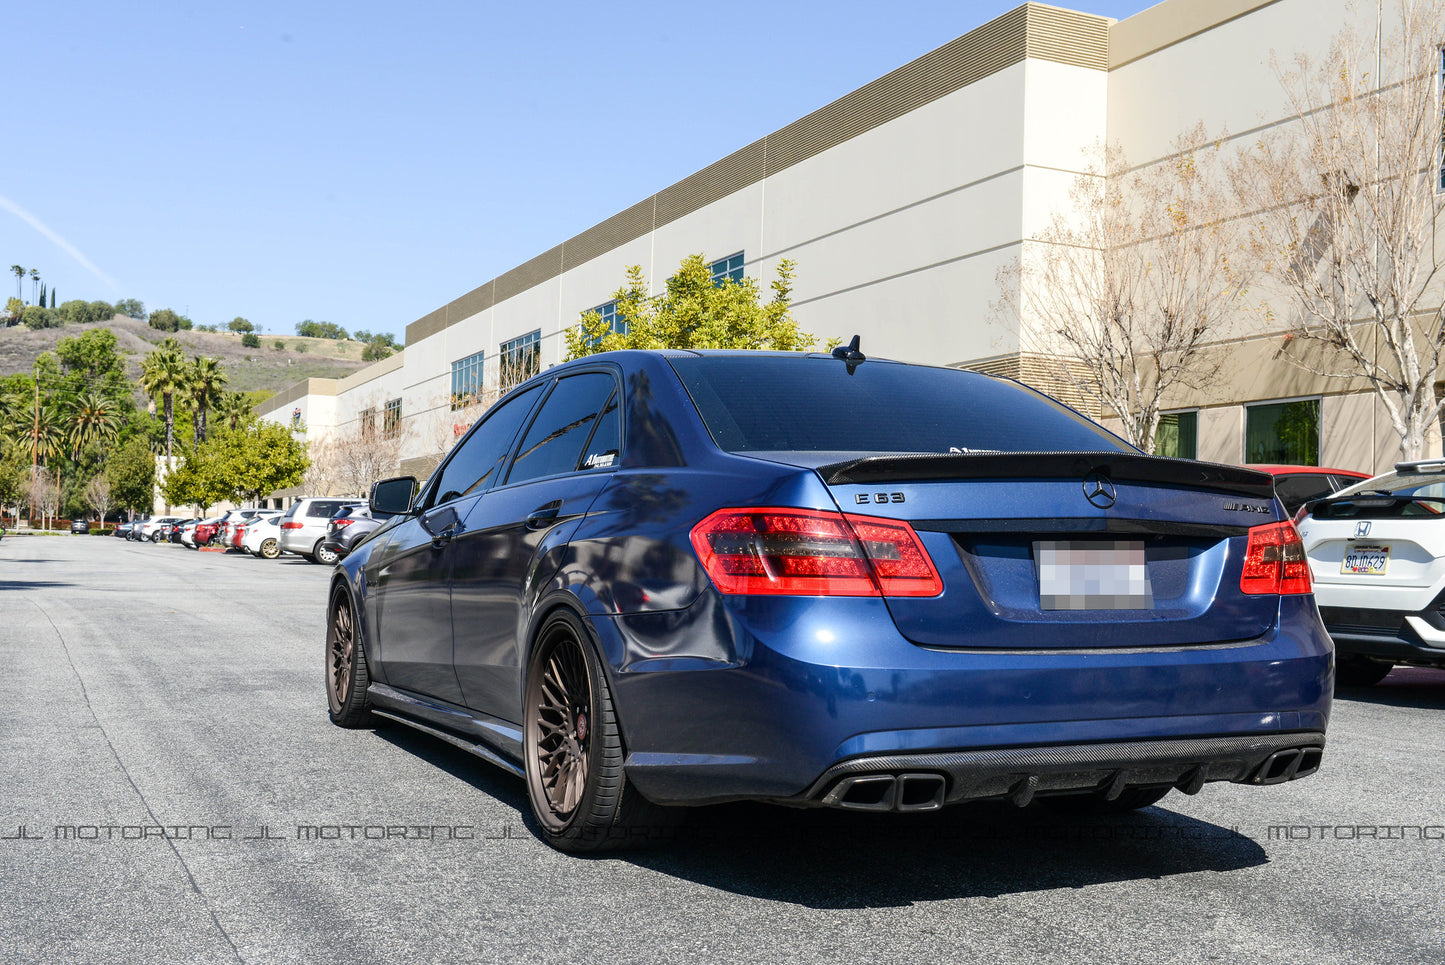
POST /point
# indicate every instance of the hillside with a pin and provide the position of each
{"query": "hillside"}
(249, 369)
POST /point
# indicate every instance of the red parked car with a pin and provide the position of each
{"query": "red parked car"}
(205, 531)
(1297, 485)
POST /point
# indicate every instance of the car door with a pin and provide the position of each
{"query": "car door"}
(514, 534)
(412, 576)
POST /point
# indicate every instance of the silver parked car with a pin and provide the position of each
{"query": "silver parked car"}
(304, 527)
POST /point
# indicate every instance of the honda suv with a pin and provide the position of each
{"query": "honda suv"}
(303, 528)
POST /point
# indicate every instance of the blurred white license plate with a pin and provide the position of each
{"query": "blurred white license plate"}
(1364, 560)
(1093, 575)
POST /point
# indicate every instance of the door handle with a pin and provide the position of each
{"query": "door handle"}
(543, 515)
(443, 538)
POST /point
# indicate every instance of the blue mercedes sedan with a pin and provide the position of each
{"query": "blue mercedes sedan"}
(649, 580)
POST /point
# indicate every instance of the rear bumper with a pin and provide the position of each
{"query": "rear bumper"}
(780, 701)
(923, 782)
(1385, 634)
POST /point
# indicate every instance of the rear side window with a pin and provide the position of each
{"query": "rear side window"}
(565, 422)
(323, 509)
(1294, 491)
(792, 404)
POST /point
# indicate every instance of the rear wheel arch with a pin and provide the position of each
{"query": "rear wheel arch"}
(546, 608)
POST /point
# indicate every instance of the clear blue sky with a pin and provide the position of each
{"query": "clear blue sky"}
(364, 163)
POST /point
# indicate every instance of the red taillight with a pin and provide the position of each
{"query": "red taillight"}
(291, 525)
(342, 522)
(805, 552)
(1275, 561)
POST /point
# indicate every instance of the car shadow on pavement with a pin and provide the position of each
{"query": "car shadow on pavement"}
(1422, 687)
(835, 859)
(486, 778)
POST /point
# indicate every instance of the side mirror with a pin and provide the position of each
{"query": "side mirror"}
(392, 497)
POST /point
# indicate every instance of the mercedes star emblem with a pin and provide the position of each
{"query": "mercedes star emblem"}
(1099, 490)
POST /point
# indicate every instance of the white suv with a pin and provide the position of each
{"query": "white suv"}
(1377, 555)
(304, 527)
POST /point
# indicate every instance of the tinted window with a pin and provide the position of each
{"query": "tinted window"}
(475, 461)
(1294, 491)
(786, 403)
(323, 508)
(563, 425)
(605, 447)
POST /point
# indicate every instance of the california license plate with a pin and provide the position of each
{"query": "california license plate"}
(1366, 560)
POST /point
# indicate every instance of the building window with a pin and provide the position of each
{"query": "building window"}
(521, 358)
(729, 267)
(615, 322)
(391, 420)
(467, 380)
(1178, 435)
(366, 419)
(1283, 433)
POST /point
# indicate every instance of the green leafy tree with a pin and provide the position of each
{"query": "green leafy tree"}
(165, 320)
(251, 340)
(132, 474)
(131, 308)
(239, 324)
(14, 469)
(278, 345)
(247, 462)
(164, 375)
(376, 350)
(312, 329)
(95, 354)
(695, 313)
(14, 308)
(36, 318)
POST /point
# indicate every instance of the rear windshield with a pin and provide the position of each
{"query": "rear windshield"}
(792, 404)
(1393, 494)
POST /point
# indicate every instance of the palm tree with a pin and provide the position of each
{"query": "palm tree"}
(232, 407)
(34, 282)
(19, 272)
(93, 417)
(47, 435)
(206, 382)
(163, 374)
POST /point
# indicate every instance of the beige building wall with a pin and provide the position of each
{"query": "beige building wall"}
(901, 202)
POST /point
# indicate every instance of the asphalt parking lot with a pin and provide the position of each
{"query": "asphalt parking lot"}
(172, 791)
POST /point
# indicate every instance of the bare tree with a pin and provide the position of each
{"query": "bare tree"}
(1122, 293)
(98, 495)
(43, 491)
(1349, 205)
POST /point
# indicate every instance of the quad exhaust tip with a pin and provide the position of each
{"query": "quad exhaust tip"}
(1289, 764)
(888, 792)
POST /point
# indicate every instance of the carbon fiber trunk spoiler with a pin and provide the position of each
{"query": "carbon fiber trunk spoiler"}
(1117, 466)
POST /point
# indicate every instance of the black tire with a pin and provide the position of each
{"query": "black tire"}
(572, 749)
(270, 549)
(1132, 799)
(347, 676)
(324, 556)
(1361, 671)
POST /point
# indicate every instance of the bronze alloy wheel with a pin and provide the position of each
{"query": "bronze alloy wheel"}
(346, 671)
(561, 726)
(572, 748)
(270, 549)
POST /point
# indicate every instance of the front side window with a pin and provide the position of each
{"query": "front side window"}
(1177, 435)
(566, 421)
(473, 464)
(521, 358)
(391, 420)
(1283, 433)
(467, 380)
(730, 267)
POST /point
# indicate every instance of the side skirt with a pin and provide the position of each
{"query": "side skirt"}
(493, 740)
